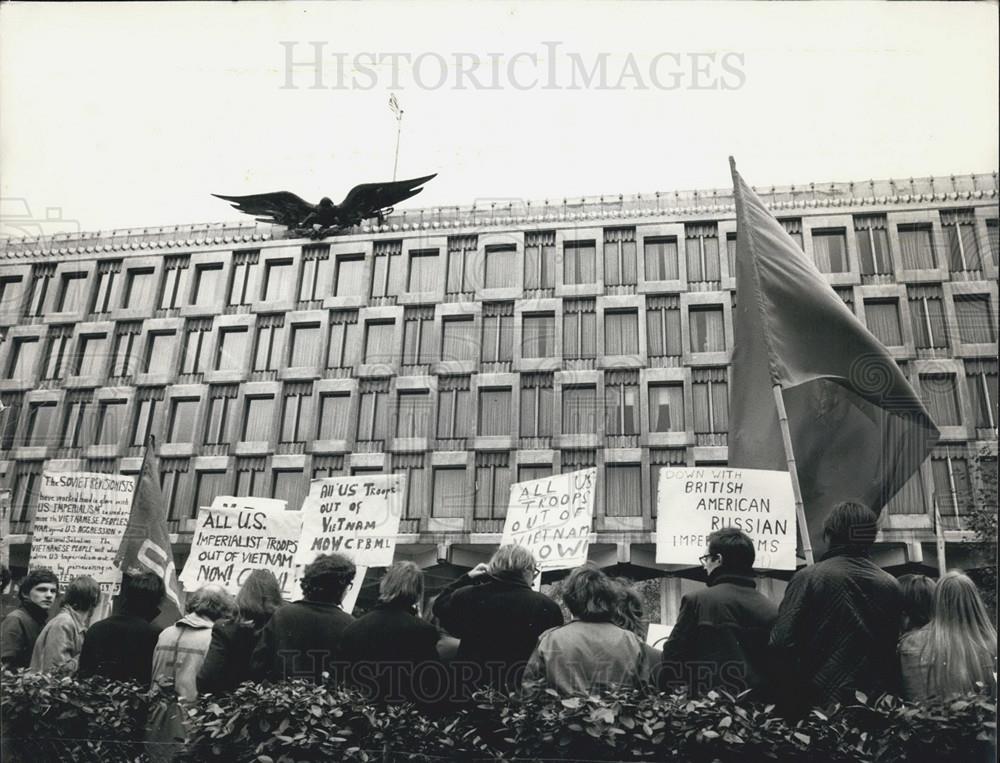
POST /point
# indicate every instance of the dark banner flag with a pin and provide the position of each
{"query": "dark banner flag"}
(857, 428)
(146, 544)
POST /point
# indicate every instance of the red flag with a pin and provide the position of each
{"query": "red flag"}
(146, 543)
(858, 429)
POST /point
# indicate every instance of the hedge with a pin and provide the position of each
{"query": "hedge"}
(49, 718)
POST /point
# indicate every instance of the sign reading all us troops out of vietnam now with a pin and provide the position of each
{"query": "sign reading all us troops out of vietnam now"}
(692, 502)
(356, 516)
(552, 517)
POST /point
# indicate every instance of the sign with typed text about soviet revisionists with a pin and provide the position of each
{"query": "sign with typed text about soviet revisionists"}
(238, 535)
(356, 516)
(80, 519)
(552, 517)
(692, 502)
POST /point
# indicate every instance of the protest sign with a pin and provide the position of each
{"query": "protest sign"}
(657, 634)
(552, 517)
(695, 501)
(357, 516)
(236, 536)
(79, 523)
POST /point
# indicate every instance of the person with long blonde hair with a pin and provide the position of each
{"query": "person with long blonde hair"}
(955, 651)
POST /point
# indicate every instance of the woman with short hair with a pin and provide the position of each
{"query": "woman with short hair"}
(57, 649)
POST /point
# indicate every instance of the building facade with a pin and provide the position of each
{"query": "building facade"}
(475, 347)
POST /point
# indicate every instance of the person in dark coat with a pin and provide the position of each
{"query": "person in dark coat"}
(227, 663)
(301, 640)
(121, 647)
(390, 653)
(720, 640)
(21, 628)
(497, 618)
(839, 622)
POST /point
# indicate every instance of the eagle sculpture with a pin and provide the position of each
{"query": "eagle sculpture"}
(319, 220)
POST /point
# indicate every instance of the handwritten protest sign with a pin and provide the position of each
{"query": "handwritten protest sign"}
(552, 517)
(357, 516)
(79, 523)
(236, 536)
(695, 501)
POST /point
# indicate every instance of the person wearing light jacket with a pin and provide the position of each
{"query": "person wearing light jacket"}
(57, 649)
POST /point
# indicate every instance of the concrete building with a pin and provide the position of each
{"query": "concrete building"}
(474, 347)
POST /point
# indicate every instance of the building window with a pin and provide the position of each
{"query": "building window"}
(540, 266)
(495, 413)
(40, 416)
(528, 472)
(388, 269)
(372, 411)
(708, 333)
(731, 257)
(258, 413)
(220, 402)
(619, 257)
(334, 410)
(231, 352)
(126, 349)
(251, 477)
(793, 227)
(207, 486)
(41, 275)
(289, 485)
(461, 277)
(882, 317)
(450, 497)
(27, 479)
(661, 259)
(621, 332)
(305, 345)
(207, 285)
(110, 422)
(455, 413)
(579, 330)
(10, 294)
(71, 294)
(927, 316)
(183, 415)
(952, 488)
(345, 341)
(993, 234)
(159, 352)
(418, 341)
(423, 271)
(145, 414)
(244, 265)
(621, 403)
(175, 281)
(268, 344)
(501, 266)
(195, 360)
(497, 345)
(56, 353)
(493, 480)
(963, 246)
(941, 398)
(873, 244)
(140, 289)
(623, 490)
(981, 382)
(23, 357)
(413, 413)
(538, 338)
(174, 479)
(316, 274)
(580, 409)
(297, 422)
(830, 250)
(659, 459)
(458, 339)
(916, 247)
(107, 270)
(75, 423)
(278, 277)
(350, 275)
(579, 262)
(379, 340)
(975, 323)
(92, 355)
(710, 399)
(701, 245)
(663, 326)
(666, 407)
(537, 405)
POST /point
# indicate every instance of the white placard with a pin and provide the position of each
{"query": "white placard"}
(79, 523)
(351, 595)
(553, 517)
(658, 634)
(237, 535)
(695, 501)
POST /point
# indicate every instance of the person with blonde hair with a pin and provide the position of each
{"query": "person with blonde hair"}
(957, 650)
(497, 617)
(57, 649)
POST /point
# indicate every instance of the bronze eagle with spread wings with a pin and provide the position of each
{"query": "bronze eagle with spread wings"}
(319, 220)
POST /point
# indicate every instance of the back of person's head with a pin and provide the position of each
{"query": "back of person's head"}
(327, 578)
(82, 594)
(403, 583)
(211, 601)
(142, 593)
(962, 646)
(513, 560)
(628, 614)
(589, 594)
(4, 577)
(735, 547)
(36, 577)
(258, 597)
(918, 600)
(851, 524)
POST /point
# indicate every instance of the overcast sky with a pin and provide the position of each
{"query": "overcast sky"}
(130, 115)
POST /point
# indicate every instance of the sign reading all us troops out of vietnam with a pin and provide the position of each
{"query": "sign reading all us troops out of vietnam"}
(695, 501)
(356, 516)
(552, 517)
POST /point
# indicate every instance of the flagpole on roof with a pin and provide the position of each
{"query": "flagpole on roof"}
(394, 105)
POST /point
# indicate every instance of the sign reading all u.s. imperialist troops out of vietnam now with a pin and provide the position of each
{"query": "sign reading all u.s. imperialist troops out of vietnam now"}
(80, 520)
(357, 516)
(552, 517)
(236, 536)
(692, 502)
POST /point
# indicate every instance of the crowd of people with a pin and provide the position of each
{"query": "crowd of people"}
(843, 625)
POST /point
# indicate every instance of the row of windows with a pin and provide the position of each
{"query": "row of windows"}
(463, 268)
(270, 344)
(374, 412)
